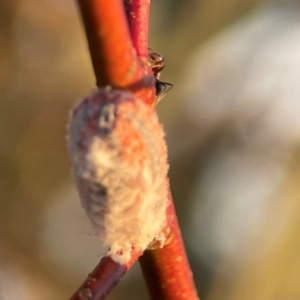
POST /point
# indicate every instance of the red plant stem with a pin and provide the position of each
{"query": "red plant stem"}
(137, 12)
(114, 58)
(114, 50)
(166, 270)
(103, 278)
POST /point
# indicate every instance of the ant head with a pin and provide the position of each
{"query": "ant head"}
(156, 57)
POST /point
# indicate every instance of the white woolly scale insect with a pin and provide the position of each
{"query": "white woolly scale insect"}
(119, 163)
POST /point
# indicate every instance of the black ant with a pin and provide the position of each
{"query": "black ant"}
(158, 63)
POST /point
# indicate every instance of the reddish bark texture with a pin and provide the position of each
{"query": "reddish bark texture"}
(114, 57)
(103, 279)
(118, 43)
(166, 270)
(137, 12)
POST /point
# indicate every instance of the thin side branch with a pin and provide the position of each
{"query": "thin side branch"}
(103, 279)
(137, 12)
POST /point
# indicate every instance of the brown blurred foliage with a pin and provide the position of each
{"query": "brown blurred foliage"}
(44, 69)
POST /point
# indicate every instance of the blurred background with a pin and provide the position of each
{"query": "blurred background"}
(233, 133)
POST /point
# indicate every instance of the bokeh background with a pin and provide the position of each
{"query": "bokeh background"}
(232, 122)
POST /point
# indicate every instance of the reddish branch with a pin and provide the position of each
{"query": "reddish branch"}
(114, 57)
(166, 270)
(137, 12)
(103, 279)
(118, 44)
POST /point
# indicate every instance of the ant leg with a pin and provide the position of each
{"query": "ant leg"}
(162, 88)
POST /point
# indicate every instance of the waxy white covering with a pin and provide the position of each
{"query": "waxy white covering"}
(119, 163)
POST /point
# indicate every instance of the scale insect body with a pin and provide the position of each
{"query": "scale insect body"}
(158, 64)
